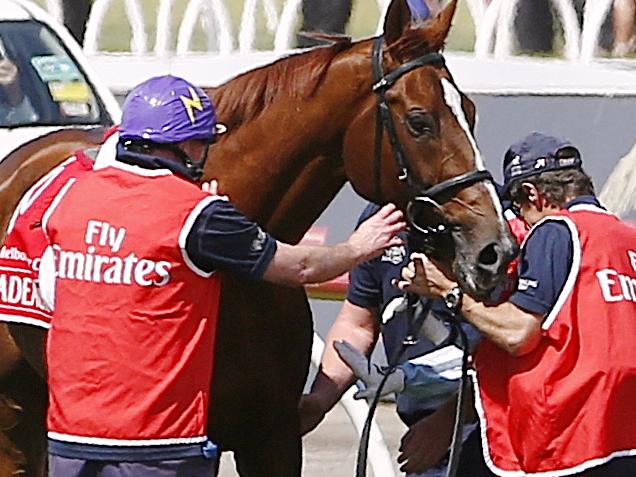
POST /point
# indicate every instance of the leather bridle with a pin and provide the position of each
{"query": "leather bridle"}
(430, 196)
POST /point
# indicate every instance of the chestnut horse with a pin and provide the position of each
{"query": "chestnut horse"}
(299, 129)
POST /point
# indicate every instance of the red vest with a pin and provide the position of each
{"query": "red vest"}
(131, 346)
(25, 243)
(519, 230)
(569, 404)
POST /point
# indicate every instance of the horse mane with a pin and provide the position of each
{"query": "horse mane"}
(297, 76)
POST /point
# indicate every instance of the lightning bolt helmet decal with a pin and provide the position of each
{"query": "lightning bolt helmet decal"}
(169, 109)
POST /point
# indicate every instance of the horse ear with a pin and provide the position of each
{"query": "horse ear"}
(412, 34)
(396, 21)
(437, 29)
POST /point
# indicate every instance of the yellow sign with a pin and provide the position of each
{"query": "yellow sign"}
(75, 92)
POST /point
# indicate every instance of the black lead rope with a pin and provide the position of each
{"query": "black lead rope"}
(456, 442)
(363, 449)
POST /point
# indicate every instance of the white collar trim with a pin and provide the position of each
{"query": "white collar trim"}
(589, 208)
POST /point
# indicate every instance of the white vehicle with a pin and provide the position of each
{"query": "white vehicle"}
(45, 82)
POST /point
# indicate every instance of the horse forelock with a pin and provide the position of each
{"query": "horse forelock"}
(414, 42)
(296, 76)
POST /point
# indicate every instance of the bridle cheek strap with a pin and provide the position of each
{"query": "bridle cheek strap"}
(384, 119)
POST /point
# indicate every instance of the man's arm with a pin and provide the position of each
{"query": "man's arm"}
(357, 322)
(302, 264)
(428, 440)
(513, 329)
(359, 327)
(221, 238)
(515, 325)
(508, 326)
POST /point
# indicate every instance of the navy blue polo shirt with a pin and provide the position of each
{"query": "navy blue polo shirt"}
(370, 287)
(545, 263)
(222, 238)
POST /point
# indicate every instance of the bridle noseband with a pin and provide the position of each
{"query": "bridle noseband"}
(423, 195)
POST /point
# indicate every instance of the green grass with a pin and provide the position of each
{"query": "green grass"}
(364, 20)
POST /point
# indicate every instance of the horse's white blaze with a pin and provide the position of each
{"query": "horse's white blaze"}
(453, 100)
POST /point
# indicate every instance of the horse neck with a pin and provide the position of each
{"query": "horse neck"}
(284, 166)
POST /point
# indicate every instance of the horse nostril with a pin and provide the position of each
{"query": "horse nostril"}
(488, 256)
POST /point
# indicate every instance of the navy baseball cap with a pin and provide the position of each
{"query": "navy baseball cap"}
(538, 153)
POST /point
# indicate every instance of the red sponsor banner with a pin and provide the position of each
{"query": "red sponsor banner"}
(19, 300)
(335, 289)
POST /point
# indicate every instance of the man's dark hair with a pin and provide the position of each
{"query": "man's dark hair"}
(556, 186)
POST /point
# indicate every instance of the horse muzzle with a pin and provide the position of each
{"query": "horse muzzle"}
(480, 266)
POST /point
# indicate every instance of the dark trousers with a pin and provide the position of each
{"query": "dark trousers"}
(75, 17)
(191, 467)
(535, 26)
(472, 463)
(326, 16)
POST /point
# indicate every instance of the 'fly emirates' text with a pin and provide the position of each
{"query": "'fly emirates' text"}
(110, 269)
(617, 286)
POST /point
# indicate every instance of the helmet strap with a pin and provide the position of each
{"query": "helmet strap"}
(203, 158)
(195, 168)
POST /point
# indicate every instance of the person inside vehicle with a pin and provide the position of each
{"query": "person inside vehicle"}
(15, 106)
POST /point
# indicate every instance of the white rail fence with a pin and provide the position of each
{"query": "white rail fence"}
(494, 24)
(379, 457)
(493, 20)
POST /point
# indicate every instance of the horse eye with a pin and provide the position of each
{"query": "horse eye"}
(420, 123)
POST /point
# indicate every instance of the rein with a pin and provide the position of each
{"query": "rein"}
(415, 322)
(431, 197)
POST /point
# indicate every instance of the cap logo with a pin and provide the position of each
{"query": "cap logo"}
(540, 163)
(191, 103)
(516, 160)
(568, 161)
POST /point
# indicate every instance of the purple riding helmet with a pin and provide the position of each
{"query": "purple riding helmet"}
(166, 110)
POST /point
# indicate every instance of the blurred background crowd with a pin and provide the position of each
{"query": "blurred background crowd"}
(536, 24)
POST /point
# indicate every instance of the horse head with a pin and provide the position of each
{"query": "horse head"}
(419, 127)
(306, 123)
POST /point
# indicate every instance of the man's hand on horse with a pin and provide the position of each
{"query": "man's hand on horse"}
(378, 233)
(212, 188)
(370, 374)
(423, 277)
